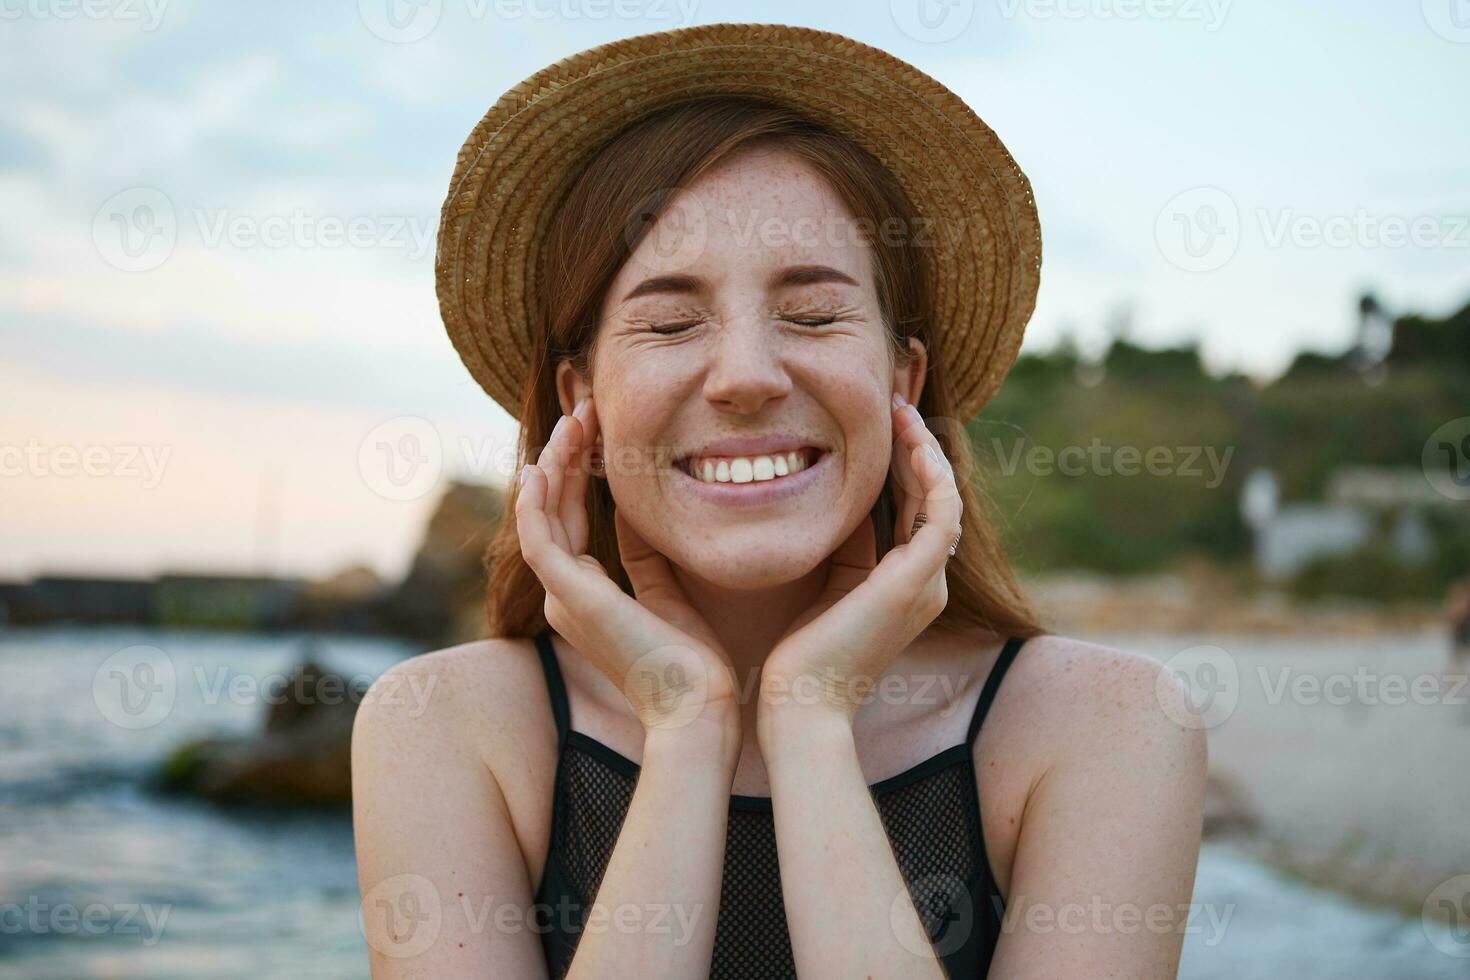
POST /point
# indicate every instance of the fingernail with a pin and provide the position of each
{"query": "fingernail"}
(561, 423)
(933, 455)
(899, 401)
(521, 477)
(580, 402)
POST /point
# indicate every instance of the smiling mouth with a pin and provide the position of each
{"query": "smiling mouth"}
(761, 468)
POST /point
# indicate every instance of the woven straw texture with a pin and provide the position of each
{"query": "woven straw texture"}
(974, 204)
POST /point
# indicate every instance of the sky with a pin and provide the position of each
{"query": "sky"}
(220, 348)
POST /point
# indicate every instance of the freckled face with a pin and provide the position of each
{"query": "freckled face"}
(748, 310)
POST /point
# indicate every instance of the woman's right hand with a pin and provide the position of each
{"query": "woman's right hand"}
(655, 646)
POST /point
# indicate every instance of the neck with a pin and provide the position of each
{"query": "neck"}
(748, 622)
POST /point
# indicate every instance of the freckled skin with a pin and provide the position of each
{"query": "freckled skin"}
(743, 368)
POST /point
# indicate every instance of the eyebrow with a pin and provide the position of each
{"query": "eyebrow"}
(792, 275)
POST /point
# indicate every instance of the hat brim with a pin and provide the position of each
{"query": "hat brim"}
(519, 162)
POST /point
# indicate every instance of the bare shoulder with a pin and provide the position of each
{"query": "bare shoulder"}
(1091, 694)
(450, 774)
(1074, 705)
(475, 698)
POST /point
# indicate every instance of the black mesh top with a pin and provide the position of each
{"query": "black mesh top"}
(931, 812)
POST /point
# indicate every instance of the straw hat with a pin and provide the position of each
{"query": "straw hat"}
(522, 158)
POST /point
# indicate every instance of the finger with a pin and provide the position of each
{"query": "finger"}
(905, 482)
(573, 505)
(648, 570)
(941, 502)
(853, 560)
(652, 578)
(547, 556)
(552, 464)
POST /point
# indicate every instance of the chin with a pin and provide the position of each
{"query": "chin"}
(753, 568)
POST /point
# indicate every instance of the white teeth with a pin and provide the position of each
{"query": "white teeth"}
(748, 469)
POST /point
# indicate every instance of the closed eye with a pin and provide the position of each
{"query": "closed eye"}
(666, 329)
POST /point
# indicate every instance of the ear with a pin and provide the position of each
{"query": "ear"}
(571, 387)
(908, 378)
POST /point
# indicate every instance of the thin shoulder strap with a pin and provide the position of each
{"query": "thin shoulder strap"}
(560, 709)
(992, 684)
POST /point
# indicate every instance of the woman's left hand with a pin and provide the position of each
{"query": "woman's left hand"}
(869, 612)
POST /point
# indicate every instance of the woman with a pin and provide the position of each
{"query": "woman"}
(730, 725)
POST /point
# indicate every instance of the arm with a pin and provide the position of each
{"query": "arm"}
(446, 891)
(669, 855)
(829, 836)
(835, 855)
(437, 858)
(1109, 841)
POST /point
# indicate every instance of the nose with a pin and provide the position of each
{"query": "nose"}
(747, 371)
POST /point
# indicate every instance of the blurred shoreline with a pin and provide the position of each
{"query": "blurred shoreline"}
(1199, 598)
